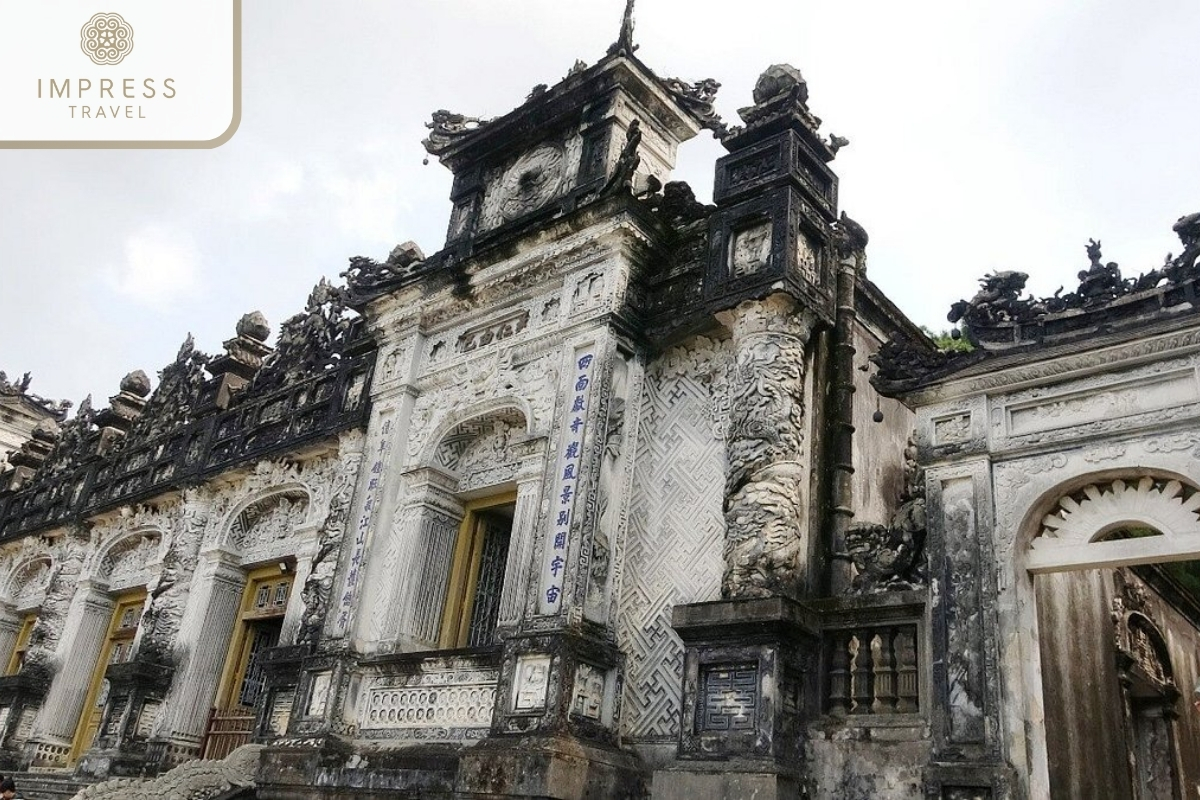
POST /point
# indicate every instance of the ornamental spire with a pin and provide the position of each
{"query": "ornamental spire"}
(624, 44)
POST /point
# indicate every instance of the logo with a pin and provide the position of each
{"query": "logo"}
(72, 77)
(106, 39)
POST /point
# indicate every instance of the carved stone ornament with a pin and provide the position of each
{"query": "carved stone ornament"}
(168, 591)
(677, 203)
(851, 238)
(624, 45)
(901, 364)
(308, 342)
(766, 519)
(447, 127)
(196, 780)
(627, 162)
(999, 300)
(531, 181)
(892, 557)
(20, 388)
(176, 396)
(751, 250)
(1141, 647)
(68, 557)
(698, 98)
(780, 92)
(367, 277)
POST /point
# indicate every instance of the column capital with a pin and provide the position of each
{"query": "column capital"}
(778, 313)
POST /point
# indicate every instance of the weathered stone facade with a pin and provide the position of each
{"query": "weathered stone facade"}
(622, 495)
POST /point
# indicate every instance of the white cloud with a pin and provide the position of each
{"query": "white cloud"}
(161, 265)
(284, 179)
(367, 196)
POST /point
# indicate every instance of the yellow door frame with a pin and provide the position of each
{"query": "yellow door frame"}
(22, 643)
(237, 657)
(464, 570)
(80, 741)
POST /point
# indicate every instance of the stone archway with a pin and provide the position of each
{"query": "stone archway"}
(1107, 712)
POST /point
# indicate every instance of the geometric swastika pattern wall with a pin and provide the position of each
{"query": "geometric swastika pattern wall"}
(676, 531)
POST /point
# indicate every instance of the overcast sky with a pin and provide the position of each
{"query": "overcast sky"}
(984, 135)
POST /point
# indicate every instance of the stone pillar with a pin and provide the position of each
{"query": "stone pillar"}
(79, 648)
(520, 553)
(969, 756)
(420, 542)
(201, 648)
(750, 661)
(10, 626)
(767, 527)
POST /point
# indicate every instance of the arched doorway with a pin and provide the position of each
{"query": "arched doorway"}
(1116, 590)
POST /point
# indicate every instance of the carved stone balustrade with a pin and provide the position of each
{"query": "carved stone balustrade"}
(329, 401)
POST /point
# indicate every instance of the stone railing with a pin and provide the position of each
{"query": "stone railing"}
(443, 698)
(872, 670)
(330, 401)
(872, 649)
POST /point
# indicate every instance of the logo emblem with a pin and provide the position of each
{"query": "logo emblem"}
(106, 39)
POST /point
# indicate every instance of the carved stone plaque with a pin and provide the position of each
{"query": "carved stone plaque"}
(318, 696)
(751, 250)
(533, 677)
(147, 717)
(729, 696)
(589, 692)
(806, 259)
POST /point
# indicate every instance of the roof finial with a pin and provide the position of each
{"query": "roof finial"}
(624, 44)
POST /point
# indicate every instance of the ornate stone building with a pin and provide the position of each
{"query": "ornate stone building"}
(618, 495)
(21, 413)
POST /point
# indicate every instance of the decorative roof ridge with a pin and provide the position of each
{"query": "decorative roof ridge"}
(20, 389)
(998, 320)
(449, 130)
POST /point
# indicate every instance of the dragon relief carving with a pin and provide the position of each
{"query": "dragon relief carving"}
(318, 585)
(1000, 299)
(766, 518)
(891, 557)
(448, 127)
(999, 313)
(195, 780)
(168, 590)
(367, 278)
(699, 98)
(40, 662)
(20, 388)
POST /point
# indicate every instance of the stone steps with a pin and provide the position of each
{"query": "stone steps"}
(47, 785)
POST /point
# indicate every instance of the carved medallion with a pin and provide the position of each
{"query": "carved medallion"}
(532, 181)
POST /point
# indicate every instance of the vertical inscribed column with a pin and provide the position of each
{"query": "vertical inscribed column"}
(766, 514)
(379, 455)
(565, 478)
